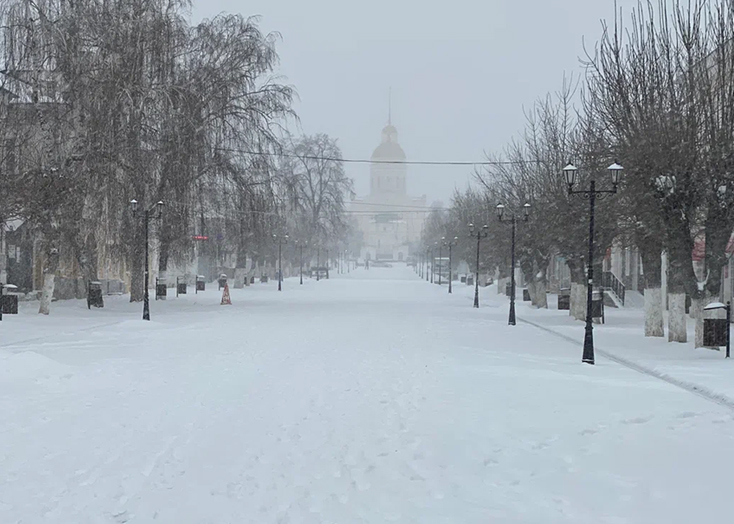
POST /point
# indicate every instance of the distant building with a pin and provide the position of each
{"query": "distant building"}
(390, 221)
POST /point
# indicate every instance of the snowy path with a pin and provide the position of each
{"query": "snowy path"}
(371, 397)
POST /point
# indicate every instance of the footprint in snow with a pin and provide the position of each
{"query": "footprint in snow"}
(637, 420)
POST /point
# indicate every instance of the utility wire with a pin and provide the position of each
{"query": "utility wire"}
(216, 213)
(365, 161)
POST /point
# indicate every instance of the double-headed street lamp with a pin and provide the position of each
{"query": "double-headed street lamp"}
(512, 220)
(615, 173)
(450, 244)
(156, 211)
(280, 240)
(479, 234)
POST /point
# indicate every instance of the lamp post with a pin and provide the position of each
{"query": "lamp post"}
(513, 221)
(280, 240)
(570, 171)
(450, 244)
(479, 235)
(147, 215)
(327, 264)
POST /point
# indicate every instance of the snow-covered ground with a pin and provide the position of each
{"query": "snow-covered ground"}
(370, 397)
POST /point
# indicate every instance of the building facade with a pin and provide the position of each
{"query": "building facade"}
(389, 220)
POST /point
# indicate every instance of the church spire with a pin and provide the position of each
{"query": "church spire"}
(389, 106)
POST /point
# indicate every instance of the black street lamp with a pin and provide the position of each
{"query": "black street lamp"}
(570, 171)
(280, 240)
(158, 209)
(513, 221)
(450, 244)
(479, 235)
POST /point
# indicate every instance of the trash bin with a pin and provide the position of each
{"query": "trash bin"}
(200, 283)
(94, 295)
(469, 280)
(181, 287)
(463, 279)
(160, 289)
(263, 278)
(222, 281)
(716, 330)
(252, 279)
(564, 299)
(525, 295)
(10, 299)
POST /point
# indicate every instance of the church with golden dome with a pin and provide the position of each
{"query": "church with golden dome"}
(389, 220)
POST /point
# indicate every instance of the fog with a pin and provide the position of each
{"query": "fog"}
(460, 72)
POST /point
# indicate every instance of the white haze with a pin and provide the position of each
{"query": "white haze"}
(461, 72)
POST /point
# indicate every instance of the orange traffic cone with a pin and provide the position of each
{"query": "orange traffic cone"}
(226, 301)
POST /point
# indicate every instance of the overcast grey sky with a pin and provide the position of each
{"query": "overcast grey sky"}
(461, 71)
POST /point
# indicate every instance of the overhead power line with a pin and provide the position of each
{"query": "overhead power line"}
(365, 161)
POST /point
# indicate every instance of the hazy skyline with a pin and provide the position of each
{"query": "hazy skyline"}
(461, 74)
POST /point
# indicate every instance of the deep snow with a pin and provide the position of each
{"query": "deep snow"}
(370, 397)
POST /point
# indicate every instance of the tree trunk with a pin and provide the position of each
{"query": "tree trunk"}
(681, 279)
(697, 305)
(526, 266)
(541, 291)
(652, 265)
(532, 290)
(241, 278)
(578, 289)
(540, 268)
(677, 330)
(49, 280)
(578, 308)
